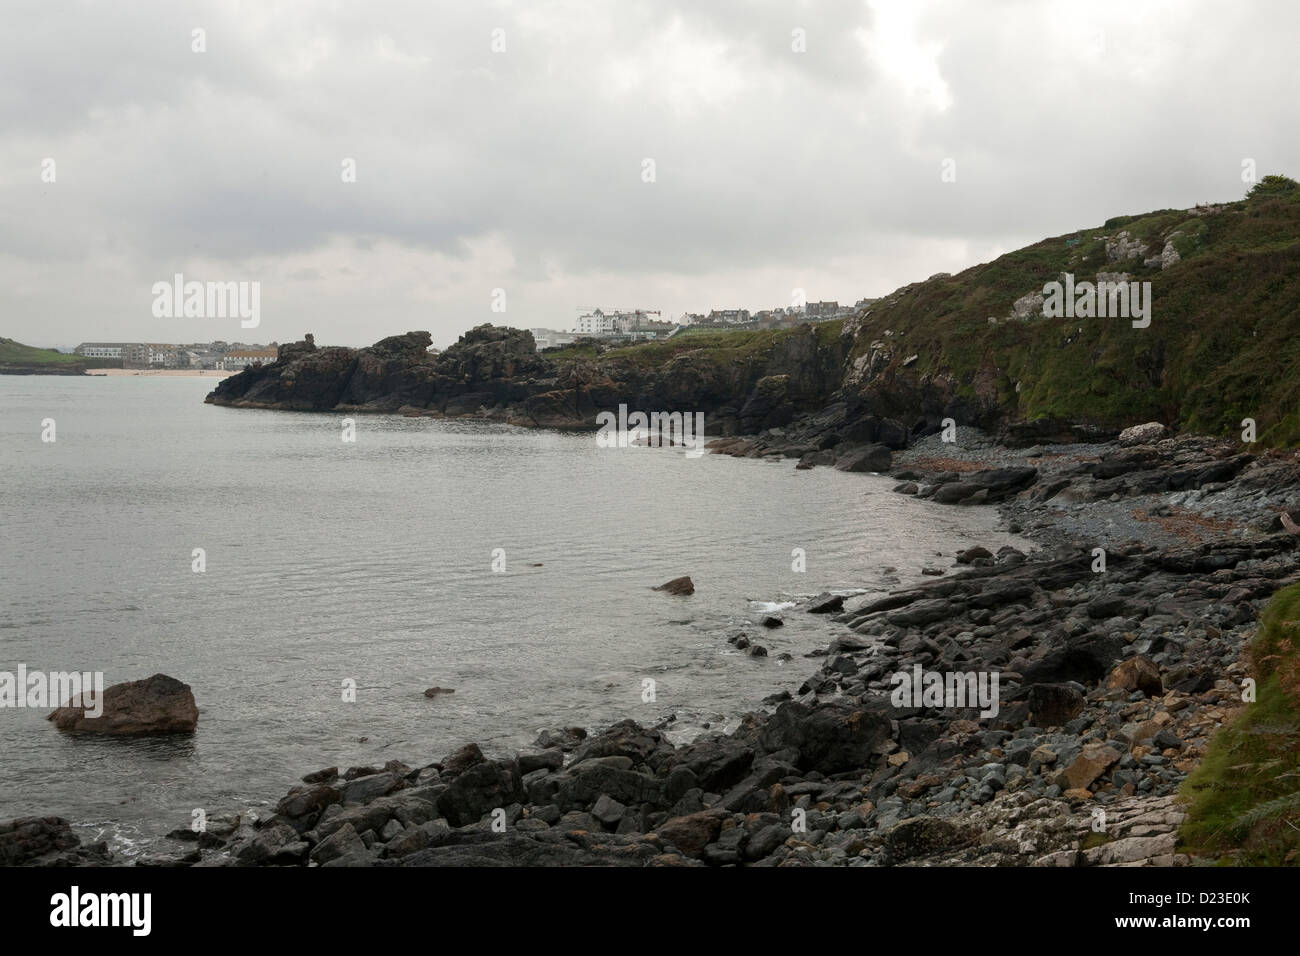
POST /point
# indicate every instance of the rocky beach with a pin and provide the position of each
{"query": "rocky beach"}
(1117, 644)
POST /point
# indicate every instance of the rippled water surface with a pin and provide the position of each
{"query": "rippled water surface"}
(372, 561)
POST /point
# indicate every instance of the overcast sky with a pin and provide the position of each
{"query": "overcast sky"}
(524, 169)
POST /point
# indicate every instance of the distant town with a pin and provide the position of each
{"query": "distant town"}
(634, 325)
(611, 326)
(228, 356)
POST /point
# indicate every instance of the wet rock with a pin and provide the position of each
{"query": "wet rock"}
(30, 840)
(462, 759)
(156, 705)
(308, 800)
(546, 760)
(563, 739)
(825, 603)
(627, 739)
(365, 789)
(680, 586)
(871, 458)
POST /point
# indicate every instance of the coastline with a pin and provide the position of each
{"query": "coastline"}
(1112, 684)
(165, 372)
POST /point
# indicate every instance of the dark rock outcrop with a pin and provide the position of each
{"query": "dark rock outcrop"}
(156, 705)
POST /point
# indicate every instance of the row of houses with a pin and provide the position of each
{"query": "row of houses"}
(635, 325)
(215, 355)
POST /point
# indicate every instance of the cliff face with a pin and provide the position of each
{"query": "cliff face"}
(1219, 344)
(495, 373)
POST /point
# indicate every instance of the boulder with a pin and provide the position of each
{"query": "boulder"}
(693, 832)
(1142, 434)
(1092, 763)
(483, 787)
(683, 585)
(561, 738)
(871, 458)
(627, 738)
(1137, 673)
(1054, 705)
(24, 840)
(825, 603)
(461, 760)
(991, 485)
(834, 737)
(156, 705)
(921, 836)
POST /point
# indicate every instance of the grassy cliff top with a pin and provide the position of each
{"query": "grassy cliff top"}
(15, 353)
(1221, 346)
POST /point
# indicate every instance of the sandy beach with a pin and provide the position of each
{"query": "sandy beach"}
(187, 372)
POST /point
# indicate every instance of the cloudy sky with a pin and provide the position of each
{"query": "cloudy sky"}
(505, 146)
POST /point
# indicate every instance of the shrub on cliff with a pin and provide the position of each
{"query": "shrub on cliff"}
(1273, 186)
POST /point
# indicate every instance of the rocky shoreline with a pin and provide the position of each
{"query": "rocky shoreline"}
(1112, 679)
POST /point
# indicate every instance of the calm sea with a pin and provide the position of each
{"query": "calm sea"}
(372, 562)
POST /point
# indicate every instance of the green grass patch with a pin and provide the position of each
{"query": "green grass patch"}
(16, 353)
(1244, 797)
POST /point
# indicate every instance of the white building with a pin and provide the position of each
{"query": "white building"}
(548, 338)
(598, 322)
(595, 323)
(109, 350)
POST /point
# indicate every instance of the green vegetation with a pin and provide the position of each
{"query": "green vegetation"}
(719, 345)
(1223, 342)
(1273, 186)
(1245, 795)
(16, 357)
(15, 353)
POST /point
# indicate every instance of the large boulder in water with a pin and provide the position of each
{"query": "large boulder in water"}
(682, 585)
(156, 705)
